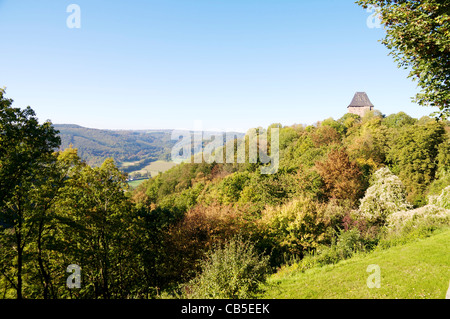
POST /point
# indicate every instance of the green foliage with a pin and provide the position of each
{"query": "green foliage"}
(338, 126)
(178, 179)
(367, 142)
(28, 184)
(154, 261)
(95, 204)
(413, 156)
(438, 185)
(293, 228)
(252, 187)
(230, 187)
(234, 271)
(398, 120)
(327, 134)
(311, 183)
(348, 243)
(287, 136)
(444, 157)
(349, 120)
(57, 210)
(301, 152)
(271, 189)
(443, 200)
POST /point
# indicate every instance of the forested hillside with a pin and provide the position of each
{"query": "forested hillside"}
(337, 179)
(132, 151)
(211, 230)
(94, 145)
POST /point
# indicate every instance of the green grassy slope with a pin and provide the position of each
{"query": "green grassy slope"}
(420, 269)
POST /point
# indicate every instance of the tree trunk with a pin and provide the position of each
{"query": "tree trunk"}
(45, 275)
(19, 260)
(18, 232)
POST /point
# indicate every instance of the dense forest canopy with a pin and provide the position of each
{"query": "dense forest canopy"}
(169, 235)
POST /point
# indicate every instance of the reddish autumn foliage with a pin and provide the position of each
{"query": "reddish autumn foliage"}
(343, 178)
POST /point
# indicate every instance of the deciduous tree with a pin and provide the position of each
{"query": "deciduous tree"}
(343, 178)
(26, 156)
(418, 36)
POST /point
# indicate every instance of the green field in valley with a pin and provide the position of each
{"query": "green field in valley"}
(153, 169)
(137, 182)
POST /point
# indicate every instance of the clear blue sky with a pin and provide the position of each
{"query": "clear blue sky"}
(232, 64)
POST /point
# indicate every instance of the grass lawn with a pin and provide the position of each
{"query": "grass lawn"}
(420, 269)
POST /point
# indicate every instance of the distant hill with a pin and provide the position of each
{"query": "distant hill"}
(95, 145)
(132, 150)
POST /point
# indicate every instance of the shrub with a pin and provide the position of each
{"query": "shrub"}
(438, 185)
(443, 200)
(336, 213)
(200, 229)
(325, 135)
(230, 187)
(406, 226)
(385, 196)
(234, 271)
(413, 154)
(294, 228)
(347, 244)
(342, 177)
(429, 215)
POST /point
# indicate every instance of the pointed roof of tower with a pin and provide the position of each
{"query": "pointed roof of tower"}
(360, 99)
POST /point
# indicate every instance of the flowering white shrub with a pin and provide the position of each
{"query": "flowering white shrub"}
(436, 212)
(386, 196)
(443, 200)
(426, 215)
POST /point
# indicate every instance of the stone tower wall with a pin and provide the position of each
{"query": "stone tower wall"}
(359, 110)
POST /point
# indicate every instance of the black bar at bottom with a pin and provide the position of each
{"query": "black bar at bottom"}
(199, 308)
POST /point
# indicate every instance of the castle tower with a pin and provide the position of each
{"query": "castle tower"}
(360, 104)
